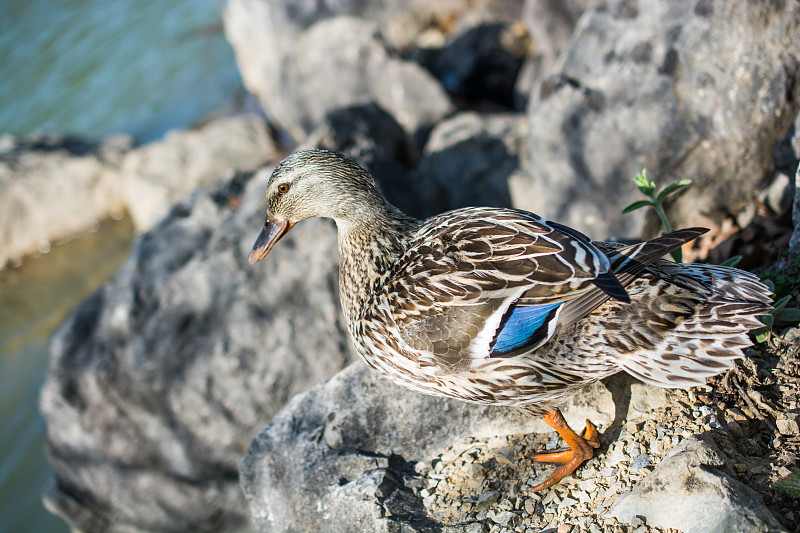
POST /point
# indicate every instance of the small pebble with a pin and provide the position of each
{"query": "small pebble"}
(504, 518)
(487, 499)
(567, 502)
(641, 462)
(551, 496)
(530, 506)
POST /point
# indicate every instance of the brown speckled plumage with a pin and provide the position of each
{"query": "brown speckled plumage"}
(499, 306)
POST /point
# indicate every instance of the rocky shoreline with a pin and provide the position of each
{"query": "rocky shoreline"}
(162, 382)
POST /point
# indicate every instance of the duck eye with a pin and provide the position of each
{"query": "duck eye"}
(283, 188)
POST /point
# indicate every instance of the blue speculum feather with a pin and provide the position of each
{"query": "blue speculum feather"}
(523, 326)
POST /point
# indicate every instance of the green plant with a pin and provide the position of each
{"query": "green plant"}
(790, 484)
(656, 201)
(779, 316)
(781, 280)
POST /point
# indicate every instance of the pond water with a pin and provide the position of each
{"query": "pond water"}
(95, 67)
(92, 68)
(34, 300)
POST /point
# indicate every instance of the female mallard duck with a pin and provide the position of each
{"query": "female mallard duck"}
(500, 306)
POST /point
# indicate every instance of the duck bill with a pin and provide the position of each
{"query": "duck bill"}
(272, 233)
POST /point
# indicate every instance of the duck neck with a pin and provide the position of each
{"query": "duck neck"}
(367, 249)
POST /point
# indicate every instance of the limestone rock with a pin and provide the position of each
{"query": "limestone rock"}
(290, 59)
(160, 379)
(694, 490)
(550, 26)
(159, 174)
(340, 456)
(52, 188)
(794, 243)
(680, 88)
(469, 159)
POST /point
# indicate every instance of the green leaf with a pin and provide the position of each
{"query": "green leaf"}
(790, 484)
(761, 334)
(778, 306)
(637, 205)
(788, 316)
(669, 189)
(732, 261)
(646, 186)
(770, 285)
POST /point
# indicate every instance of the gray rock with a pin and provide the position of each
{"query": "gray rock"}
(52, 188)
(694, 490)
(479, 65)
(794, 242)
(159, 174)
(699, 90)
(159, 380)
(340, 456)
(550, 26)
(641, 461)
(469, 159)
(290, 56)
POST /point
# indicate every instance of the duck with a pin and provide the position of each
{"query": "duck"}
(499, 306)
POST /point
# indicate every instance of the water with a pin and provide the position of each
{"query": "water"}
(89, 67)
(96, 67)
(34, 300)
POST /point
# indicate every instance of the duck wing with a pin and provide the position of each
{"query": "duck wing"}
(483, 282)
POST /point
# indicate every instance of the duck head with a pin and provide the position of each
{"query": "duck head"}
(315, 183)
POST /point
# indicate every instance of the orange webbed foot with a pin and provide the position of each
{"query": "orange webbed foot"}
(581, 449)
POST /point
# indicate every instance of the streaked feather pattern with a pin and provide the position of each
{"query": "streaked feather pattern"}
(500, 306)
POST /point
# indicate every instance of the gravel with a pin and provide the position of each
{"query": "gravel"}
(488, 481)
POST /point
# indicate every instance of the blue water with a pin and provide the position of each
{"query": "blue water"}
(88, 67)
(96, 67)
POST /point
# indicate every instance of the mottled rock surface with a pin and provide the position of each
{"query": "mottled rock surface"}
(695, 490)
(163, 172)
(341, 456)
(684, 89)
(165, 371)
(52, 188)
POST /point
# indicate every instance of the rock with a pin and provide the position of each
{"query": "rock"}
(637, 87)
(550, 26)
(359, 432)
(694, 490)
(788, 423)
(159, 380)
(52, 188)
(297, 479)
(480, 64)
(794, 242)
(641, 461)
(290, 57)
(469, 159)
(159, 174)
